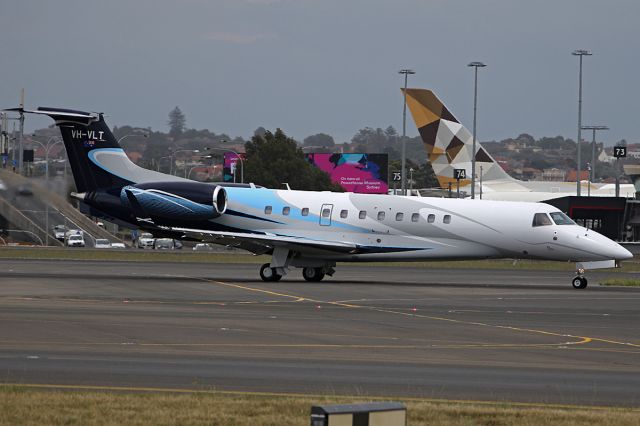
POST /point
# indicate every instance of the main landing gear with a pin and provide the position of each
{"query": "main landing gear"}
(313, 274)
(283, 259)
(269, 274)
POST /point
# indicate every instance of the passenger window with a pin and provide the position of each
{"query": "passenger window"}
(541, 219)
(431, 218)
(380, 215)
(285, 211)
(415, 217)
(446, 218)
(399, 217)
(268, 209)
(305, 211)
(326, 212)
(344, 214)
(362, 214)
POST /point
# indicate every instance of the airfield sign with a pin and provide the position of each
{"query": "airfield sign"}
(620, 151)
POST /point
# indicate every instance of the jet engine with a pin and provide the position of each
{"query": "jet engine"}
(175, 200)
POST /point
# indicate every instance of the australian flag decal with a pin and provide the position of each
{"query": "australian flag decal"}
(89, 144)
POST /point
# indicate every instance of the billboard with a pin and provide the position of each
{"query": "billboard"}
(361, 173)
(232, 167)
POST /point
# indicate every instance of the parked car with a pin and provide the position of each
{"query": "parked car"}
(59, 232)
(25, 190)
(75, 240)
(202, 247)
(164, 244)
(118, 245)
(146, 241)
(102, 243)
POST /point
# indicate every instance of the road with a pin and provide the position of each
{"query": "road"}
(521, 336)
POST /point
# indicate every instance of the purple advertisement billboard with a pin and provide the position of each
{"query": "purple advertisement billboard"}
(232, 167)
(362, 173)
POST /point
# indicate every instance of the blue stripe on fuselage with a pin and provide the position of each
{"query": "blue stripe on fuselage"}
(259, 198)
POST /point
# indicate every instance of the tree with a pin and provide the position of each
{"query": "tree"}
(319, 139)
(274, 159)
(260, 131)
(177, 122)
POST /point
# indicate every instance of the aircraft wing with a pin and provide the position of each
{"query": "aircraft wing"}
(264, 243)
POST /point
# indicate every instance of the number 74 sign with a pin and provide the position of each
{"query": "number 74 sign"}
(459, 174)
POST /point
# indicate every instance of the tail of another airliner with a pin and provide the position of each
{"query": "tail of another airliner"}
(449, 144)
(95, 156)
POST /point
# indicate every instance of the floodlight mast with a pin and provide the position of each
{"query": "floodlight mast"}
(475, 65)
(406, 72)
(580, 53)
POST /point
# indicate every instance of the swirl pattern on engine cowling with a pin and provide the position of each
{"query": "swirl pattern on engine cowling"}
(157, 202)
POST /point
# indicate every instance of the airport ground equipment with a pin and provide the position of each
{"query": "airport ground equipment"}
(370, 414)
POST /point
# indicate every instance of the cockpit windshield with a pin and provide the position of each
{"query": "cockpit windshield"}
(541, 219)
(561, 219)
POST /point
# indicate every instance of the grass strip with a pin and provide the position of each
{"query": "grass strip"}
(621, 282)
(23, 405)
(187, 256)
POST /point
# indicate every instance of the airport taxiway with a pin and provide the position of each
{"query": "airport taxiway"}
(371, 330)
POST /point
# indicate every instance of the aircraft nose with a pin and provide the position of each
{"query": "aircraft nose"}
(621, 253)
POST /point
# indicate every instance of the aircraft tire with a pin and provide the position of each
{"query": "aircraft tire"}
(312, 274)
(268, 274)
(579, 283)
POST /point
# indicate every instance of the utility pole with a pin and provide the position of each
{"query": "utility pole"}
(593, 148)
(21, 135)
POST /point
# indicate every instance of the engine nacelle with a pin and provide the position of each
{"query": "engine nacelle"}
(175, 200)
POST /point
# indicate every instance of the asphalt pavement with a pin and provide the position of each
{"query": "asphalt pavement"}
(523, 336)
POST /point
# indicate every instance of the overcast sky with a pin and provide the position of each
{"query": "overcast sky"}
(330, 66)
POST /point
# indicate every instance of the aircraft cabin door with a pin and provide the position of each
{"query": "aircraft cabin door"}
(325, 214)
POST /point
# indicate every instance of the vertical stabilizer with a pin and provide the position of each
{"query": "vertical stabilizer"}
(449, 144)
(95, 156)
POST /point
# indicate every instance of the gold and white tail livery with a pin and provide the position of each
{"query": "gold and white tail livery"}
(449, 144)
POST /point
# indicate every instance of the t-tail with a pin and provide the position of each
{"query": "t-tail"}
(449, 144)
(97, 160)
(107, 180)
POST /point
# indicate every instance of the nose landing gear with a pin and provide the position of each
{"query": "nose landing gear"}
(580, 281)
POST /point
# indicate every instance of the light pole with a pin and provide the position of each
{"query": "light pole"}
(237, 155)
(185, 162)
(593, 148)
(406, 73)
(579, 53)
(475, 65)
(411, 181)
(47, 147)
